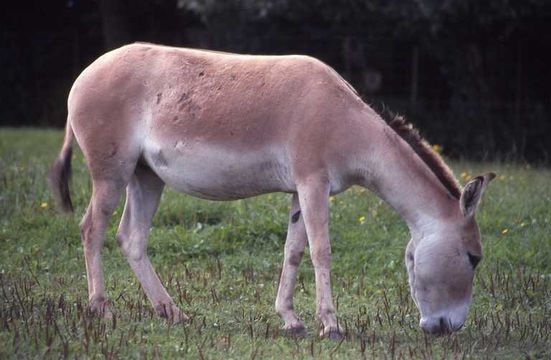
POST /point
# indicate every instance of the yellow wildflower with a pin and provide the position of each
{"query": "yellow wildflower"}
(437, 148)
(361, 219)
(44, 205)
(504, 231)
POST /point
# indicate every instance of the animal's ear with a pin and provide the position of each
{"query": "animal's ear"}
(470, 197)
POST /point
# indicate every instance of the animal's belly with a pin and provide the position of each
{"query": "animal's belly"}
(218, 173)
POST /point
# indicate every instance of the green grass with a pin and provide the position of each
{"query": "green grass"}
(221, 261)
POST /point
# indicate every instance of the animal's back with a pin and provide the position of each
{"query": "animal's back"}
(204, 89)
(196, 115)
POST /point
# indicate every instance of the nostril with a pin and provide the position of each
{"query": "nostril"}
(445, 325)
(442, 324)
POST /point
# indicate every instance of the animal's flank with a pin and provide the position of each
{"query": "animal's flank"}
(430, 157)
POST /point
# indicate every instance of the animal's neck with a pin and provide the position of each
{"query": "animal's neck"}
(406, 183)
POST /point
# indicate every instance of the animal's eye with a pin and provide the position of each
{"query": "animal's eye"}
(474, 259)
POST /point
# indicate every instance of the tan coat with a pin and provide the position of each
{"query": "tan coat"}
(225, 126)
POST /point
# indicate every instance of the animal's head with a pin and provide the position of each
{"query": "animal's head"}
(441, 264)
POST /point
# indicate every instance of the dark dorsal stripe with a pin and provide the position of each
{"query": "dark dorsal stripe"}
(425, 152)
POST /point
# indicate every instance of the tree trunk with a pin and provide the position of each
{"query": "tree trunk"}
(414, 76)
(521, 130)
(115, 22)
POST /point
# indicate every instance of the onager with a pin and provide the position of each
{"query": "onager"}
(224, 126)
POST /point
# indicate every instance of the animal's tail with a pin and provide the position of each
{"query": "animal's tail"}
(60, 173)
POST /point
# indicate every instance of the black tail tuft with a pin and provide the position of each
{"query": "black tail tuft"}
(59, 177)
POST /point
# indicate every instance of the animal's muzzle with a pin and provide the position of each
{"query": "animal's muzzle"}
(439, 325)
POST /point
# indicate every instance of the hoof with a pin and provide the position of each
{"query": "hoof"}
(332, 334)
(171, 313)
(99, 306)
(298, 331)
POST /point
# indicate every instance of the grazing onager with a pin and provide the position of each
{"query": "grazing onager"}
(224, 126)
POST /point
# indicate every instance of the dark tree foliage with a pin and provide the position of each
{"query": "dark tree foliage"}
(472, 74)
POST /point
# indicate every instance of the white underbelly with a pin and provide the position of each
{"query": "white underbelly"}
(217, 173)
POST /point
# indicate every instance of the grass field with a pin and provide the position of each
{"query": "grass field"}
(221, 262)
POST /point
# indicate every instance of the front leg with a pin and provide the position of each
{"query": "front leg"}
(294, 248)
(314, 203)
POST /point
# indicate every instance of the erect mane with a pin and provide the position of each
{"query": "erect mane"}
(426, 153)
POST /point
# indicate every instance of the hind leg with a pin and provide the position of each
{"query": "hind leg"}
(105, 196)
(142, 198)
(294, 248)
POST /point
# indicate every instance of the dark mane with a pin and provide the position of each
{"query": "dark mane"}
(426, 153)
